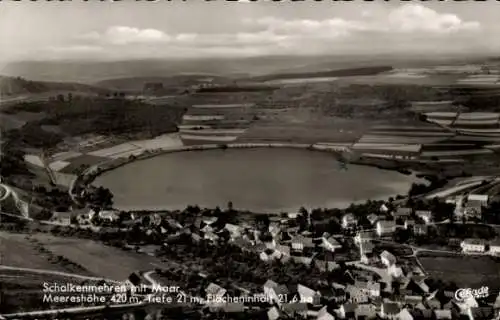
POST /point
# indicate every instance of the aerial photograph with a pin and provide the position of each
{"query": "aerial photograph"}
(195, 160)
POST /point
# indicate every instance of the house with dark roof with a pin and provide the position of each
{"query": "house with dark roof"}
(274, 313)
(347, 310)
(389, 310)
(295, 310)
(402, 213)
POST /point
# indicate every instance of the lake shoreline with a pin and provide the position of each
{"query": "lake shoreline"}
(89, 175)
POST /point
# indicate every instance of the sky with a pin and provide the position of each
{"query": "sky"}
(127, 29)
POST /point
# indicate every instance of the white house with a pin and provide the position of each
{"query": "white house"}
(357, 295)
(385, 227)
(495, 247)
(323, 314)
(404, 315)
(425, 215)
(387, 258)
(274, 313)
(473, 245)
(234, 230)
(214, 291)
(308, 295)
(300, 242)
(395, 271)
(330, 243)
(363, 237)
(372, 218)
(481, 198)
(349, 221)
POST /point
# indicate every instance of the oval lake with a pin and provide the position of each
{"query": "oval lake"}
(260, 180)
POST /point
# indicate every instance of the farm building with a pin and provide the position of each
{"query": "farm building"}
(473, 245)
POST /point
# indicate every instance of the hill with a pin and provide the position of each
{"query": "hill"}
(12, 86)
(364, 71)
(172, 82)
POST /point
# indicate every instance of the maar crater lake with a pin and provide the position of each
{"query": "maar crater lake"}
(259, 180)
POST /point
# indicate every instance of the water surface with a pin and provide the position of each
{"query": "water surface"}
(261, 180)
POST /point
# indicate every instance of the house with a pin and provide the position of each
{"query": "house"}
(275, 292)
(482, 199)
(269, 255)
(308, 295)
(299, 243)
(347, 310)
(473, 245)
(234, 230)
(274, 229)
(373, 288)
(330, 244)
(495, 247)
(384, 208)
(214, 291)
(327, 263)
(274, 313)
(323, 314)
(404, 315)
(387, 258)
(349, 221)
(409, 224)
(482, 313)
(473, 208)
(372, 218)
(357, 295)
(385, 227)
(420, 229)
(425, 215)
(295, 310)
(363, 236)
(389, 310)
(365, 311)
(268, 286)
(442, 314)
(402, 213)
(211, 236)
(284, 250)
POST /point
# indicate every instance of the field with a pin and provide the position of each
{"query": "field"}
(99, 259)
(465, 271)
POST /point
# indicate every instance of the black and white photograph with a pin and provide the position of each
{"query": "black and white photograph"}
(251, 159)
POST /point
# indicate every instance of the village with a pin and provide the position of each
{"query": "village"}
(365, 262)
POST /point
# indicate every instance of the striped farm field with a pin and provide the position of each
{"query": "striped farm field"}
(373, 147)
(213, 131)
(455, 153)
(478, 116)
(398, 139)
(223, 106)
(115, 150)
(202, 117)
